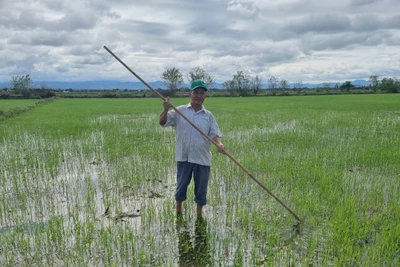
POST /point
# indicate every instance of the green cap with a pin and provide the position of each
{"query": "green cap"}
(198, 84)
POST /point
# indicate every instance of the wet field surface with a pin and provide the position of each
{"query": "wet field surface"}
(98, 190)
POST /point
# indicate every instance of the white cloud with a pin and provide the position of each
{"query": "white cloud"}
(308, 40)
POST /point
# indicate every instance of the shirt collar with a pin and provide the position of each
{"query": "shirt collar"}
(190, 106)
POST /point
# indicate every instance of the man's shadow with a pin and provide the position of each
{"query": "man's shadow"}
(193, 250)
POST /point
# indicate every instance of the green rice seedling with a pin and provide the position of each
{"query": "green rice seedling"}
(75, 172)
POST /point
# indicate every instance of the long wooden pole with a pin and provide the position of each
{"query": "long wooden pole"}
(205, 135)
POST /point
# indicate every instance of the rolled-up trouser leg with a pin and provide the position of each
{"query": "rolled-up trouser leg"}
(183, 177)
(201, 175)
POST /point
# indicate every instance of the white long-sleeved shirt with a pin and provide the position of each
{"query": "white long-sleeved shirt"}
(191, 145)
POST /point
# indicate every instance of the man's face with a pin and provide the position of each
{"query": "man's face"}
(198, 95)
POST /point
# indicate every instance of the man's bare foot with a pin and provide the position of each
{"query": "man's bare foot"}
(199, 210)
(178, 207)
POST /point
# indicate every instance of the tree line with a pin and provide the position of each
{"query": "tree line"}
(21, 85)
(241, 84)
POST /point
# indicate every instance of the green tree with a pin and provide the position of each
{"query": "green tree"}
(198, 73)
(228, 85)
(347, 86)
(256, 84)
(326, 86)
(374, 79)
(21, 85)
(273, 81)
(284, 85)
(241, 83)
(390, 85)
(173, 79)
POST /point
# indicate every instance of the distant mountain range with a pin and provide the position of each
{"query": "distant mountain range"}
(111, 84)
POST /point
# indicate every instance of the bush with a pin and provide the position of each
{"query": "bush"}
(110, 95)
(44, 93)
(4, 95)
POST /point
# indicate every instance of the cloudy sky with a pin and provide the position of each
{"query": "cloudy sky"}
(295, 40)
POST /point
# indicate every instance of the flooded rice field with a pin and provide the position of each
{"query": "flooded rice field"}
(98, 190)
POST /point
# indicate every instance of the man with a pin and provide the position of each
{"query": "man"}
(193, 154)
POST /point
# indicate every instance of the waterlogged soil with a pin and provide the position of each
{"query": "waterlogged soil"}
(192, 239)
(101, 192)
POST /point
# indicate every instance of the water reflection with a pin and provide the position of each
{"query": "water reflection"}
(193, 250)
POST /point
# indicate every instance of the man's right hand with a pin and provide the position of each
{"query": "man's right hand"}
(167, 104)
(163, 116)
